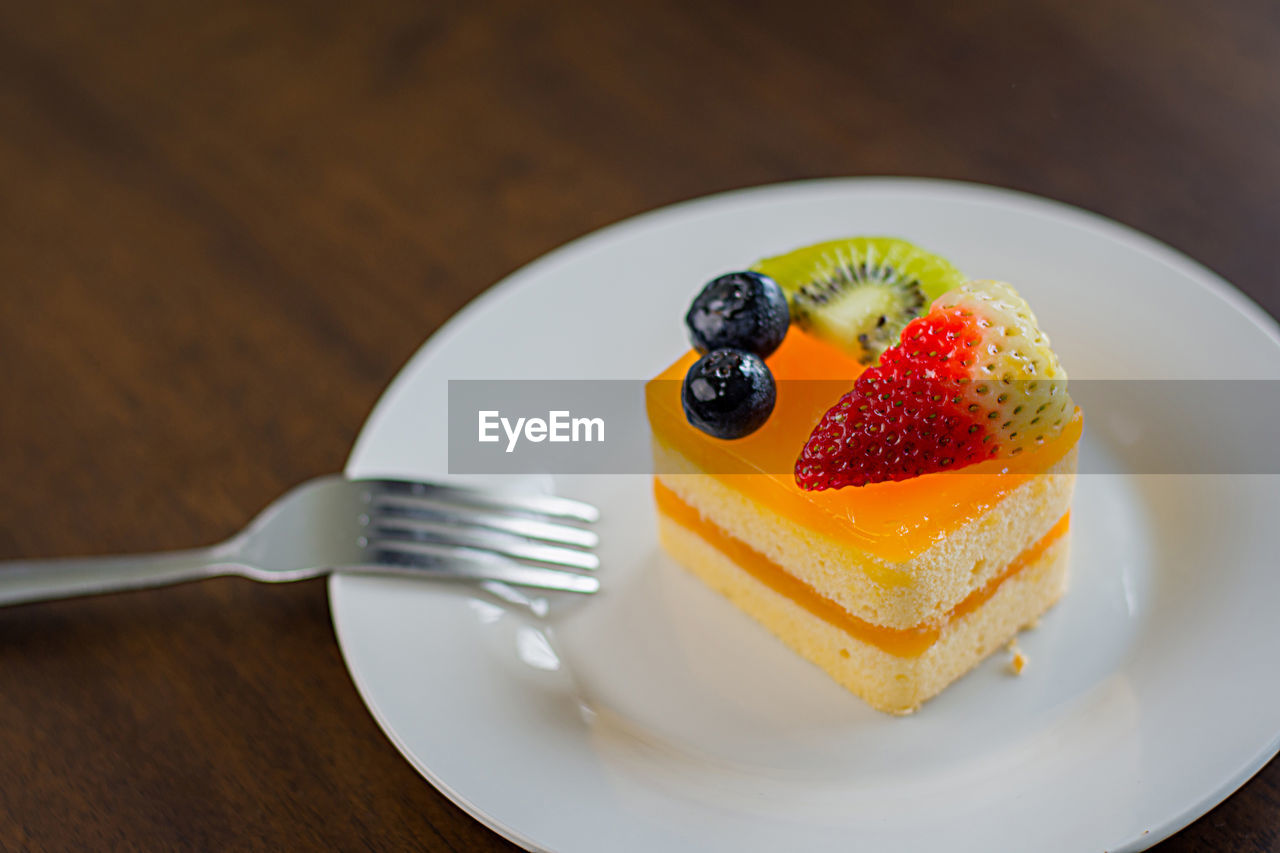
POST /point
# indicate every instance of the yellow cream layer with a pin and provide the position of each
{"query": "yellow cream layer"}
(901, 642)
(892, 521)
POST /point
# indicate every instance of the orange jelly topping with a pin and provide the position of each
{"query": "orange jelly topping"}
(900, 642)
(892, 521)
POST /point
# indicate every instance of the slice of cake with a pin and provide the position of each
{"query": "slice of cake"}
(896, 535)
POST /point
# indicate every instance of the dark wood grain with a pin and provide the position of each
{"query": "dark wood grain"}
(224, 226)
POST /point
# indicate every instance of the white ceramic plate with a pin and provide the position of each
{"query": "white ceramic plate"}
(656, 717)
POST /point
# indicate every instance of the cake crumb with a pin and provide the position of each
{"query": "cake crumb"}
(1019, 661)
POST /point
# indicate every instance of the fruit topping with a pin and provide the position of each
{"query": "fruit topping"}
(973, 379)
(859, 293)
(740, 310)
(728, 393)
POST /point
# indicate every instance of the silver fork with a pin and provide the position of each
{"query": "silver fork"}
(332, 524)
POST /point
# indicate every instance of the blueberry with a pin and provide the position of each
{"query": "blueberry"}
(742, 310)
(728, 393)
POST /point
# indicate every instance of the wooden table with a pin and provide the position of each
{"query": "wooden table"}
(224, 226)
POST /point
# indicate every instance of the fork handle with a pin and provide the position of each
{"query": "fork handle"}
(43, 580)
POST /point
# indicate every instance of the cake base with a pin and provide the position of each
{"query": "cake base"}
(888, 682)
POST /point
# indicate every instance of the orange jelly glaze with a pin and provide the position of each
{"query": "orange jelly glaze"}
(893, 521)
(900, 642)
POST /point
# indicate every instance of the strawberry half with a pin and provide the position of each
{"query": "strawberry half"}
(973, 379)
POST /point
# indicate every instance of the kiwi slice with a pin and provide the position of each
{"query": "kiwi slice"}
(859, 293)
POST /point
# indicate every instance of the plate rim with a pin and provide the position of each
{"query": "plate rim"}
(1206, 277)
(972, 191)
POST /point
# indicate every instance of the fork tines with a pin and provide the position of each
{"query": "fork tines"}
(403, 506)
(548, 506)
(432, 525)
